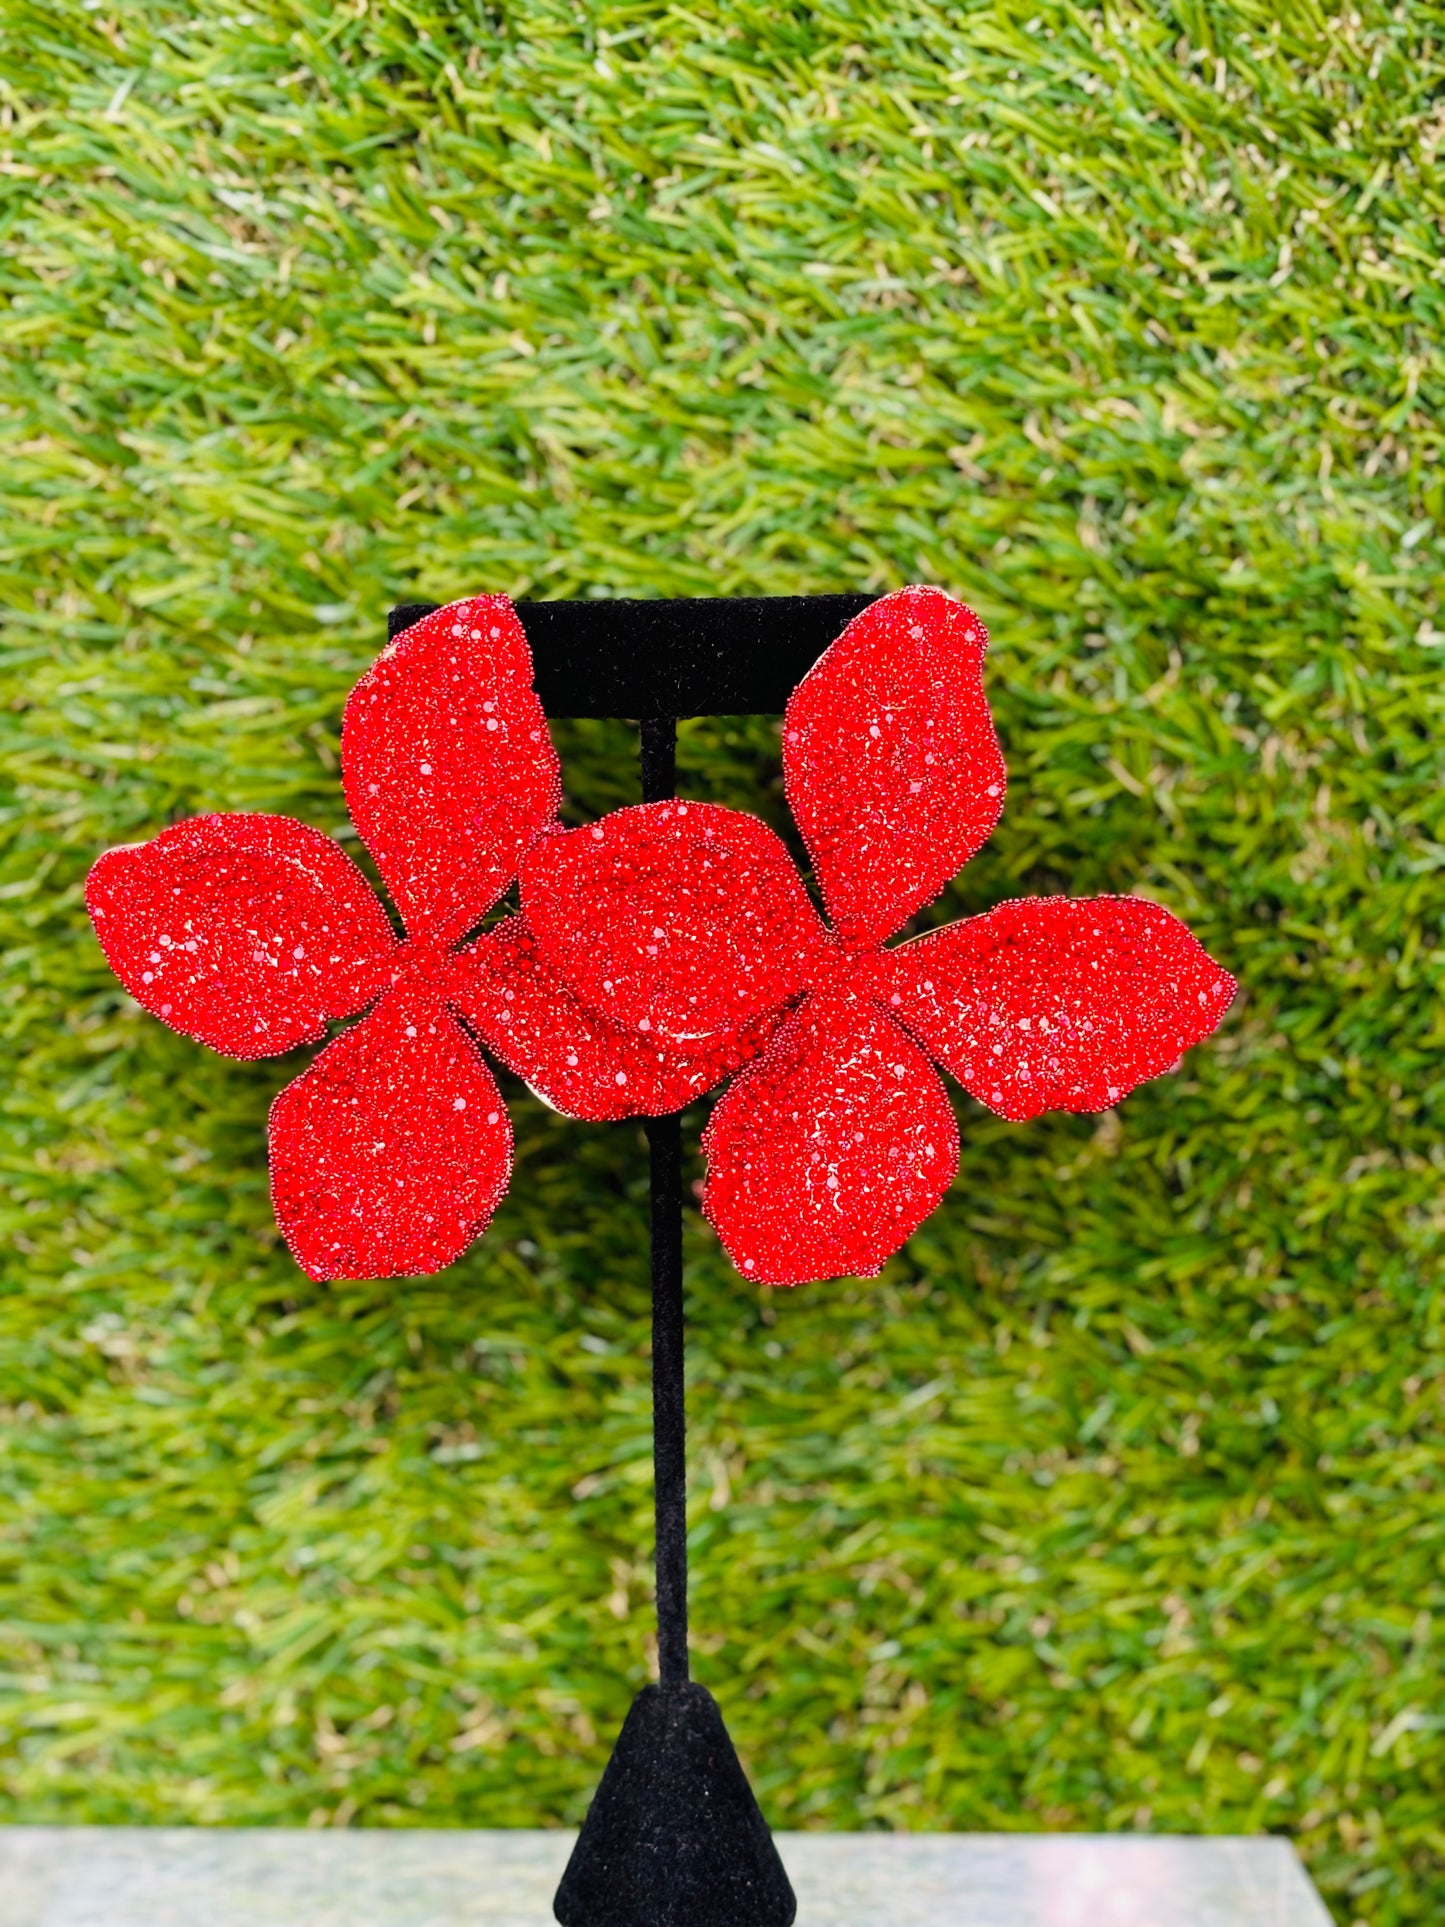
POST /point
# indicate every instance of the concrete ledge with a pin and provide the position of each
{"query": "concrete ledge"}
(266, 1877)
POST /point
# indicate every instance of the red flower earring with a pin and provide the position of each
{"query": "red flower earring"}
(685, 928)
(249, 932)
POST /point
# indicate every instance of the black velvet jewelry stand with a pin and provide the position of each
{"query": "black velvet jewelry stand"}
(674, 1837)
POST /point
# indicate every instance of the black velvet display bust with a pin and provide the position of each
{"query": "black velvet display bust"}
(674, 1837)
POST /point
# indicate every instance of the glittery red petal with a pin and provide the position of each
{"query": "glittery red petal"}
(392, 1152)
(685, 921)
(1058, 1004)
(831, 1150)
(892, 766)
(244, 932)
(574, 1060)
(448, 767)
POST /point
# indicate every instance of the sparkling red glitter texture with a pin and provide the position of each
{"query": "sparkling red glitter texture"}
(244, 932)
(391, 1153)
(250, 932)
(574, 1060)
(684, 923)
(890, 761)
(446, 762)
(1057, 1004)
(837, 1143)
(714, 925)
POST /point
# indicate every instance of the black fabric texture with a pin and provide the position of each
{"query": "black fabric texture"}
(669, 1425)
(674, 1837)
(658, 748)
(669, 1416)
(692, 656)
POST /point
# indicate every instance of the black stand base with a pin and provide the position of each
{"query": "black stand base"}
(674, 1837)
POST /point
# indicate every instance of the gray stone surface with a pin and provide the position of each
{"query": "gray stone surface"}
(197, 1877)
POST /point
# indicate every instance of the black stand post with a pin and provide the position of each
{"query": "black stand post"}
(669, 1418)
(673, 1837)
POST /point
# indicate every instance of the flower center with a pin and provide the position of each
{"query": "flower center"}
(422, 960)
(840, 968)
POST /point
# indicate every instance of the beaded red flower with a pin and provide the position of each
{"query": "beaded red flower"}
(250, 933)
(687, 926)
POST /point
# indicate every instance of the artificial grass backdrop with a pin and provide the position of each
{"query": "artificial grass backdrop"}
(1117, 1501)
